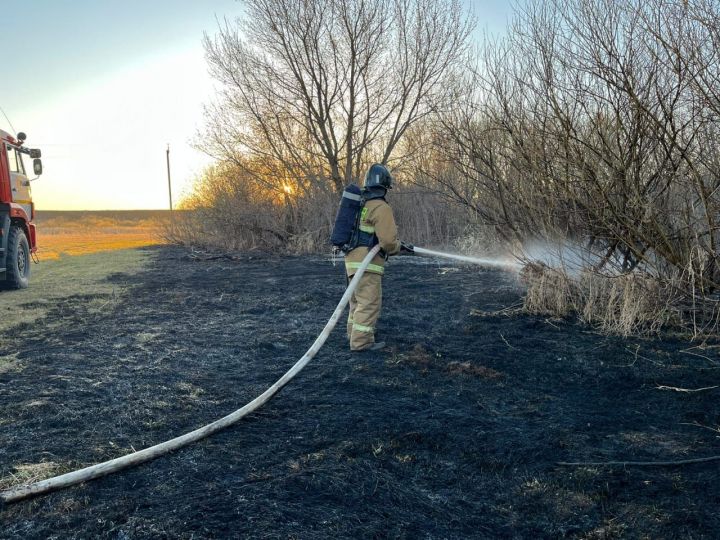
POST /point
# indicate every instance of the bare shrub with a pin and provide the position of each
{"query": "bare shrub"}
(424, 217)
(232, 209)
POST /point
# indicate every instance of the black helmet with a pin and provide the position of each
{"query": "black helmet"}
(378, 176)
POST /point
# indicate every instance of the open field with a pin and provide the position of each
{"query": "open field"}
(454, 432)
(79, 233)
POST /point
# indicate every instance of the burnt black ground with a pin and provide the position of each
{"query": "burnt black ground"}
(453, 433)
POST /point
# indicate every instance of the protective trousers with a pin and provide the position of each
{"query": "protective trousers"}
(365, 305)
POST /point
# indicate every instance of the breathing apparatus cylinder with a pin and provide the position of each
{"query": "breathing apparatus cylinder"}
(347, 217)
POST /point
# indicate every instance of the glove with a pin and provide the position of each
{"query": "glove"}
(404, 246)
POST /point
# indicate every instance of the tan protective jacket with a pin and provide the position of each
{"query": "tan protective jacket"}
(377, 217)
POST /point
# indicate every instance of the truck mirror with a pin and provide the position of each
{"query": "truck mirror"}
(21, 137)
(35, 153)
(37, 166)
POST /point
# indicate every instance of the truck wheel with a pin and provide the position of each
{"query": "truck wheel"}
(18, 259)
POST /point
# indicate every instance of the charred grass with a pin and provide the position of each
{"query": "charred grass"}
(454, 432)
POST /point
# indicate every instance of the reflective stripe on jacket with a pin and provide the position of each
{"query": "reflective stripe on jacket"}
(376, 218)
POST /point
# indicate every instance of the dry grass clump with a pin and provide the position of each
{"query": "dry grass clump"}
(625, 304)
(549, 291)
(28, 473)
(633, 303)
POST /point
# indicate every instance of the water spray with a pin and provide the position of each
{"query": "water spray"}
(481, 261)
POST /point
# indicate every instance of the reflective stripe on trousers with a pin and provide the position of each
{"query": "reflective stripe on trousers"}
(360, 328)
(352, 325)
(375, 268)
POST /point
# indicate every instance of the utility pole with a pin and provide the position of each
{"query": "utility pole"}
(167, 157)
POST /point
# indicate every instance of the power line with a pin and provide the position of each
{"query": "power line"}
(8, 120)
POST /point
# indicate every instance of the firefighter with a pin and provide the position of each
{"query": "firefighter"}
(376, 226)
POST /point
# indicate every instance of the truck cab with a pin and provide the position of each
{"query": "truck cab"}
(17, 211)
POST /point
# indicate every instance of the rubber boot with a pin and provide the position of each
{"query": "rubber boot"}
(377, 346)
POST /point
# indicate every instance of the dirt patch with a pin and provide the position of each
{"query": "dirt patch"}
(454, 432)
(466, 368)
(424, 360)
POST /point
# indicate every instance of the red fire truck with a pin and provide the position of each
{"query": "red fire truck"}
(17, 212)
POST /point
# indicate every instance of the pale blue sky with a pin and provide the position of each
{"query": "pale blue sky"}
(62, 43)
(103, 85)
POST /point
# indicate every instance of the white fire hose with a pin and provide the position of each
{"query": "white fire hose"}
(18, 493)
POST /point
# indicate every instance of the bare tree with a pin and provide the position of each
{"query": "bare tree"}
(319, 88)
